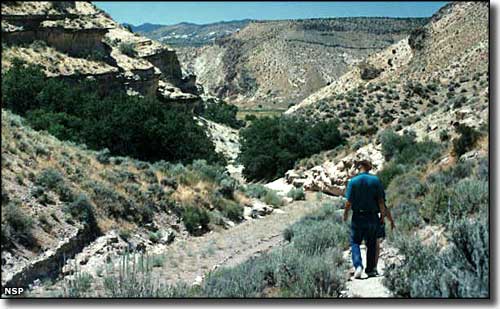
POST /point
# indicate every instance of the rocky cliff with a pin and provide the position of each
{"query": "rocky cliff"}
(76, 40)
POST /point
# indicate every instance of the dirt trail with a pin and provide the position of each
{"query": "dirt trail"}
(369, 287)
(188, 260)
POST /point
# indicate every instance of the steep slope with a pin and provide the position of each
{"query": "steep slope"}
(440, 67)
(430, 83)
(76, 40)
(278, 63)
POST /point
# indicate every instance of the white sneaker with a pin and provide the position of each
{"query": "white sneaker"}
(357, 273)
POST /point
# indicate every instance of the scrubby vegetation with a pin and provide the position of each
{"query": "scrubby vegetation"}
(142, 128)
(264, 194)
(404, 153)
(310, 265)
(456, 198)
(80, 186)
(297, 194)
(271, 146)
(16, 225)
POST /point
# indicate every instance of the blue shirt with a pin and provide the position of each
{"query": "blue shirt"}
(364, 192)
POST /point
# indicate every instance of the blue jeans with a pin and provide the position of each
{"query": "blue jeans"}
(364, 227)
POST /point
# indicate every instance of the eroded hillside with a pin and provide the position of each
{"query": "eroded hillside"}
(440, 67)
(278, 63)
(432, 83)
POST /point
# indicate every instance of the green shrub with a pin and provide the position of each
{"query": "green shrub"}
(466, 141)
(406, 216)
(127, 49)
(468, 197)
(154, 237)
(297, 194)
(291, 272)
(209, 172)
(459, 271)
(272, 198)
(406, 187)
(250, 117)
(78, 287)
(20, 86)
(195, 219)
(80, 209)
(393, 143)
(451, 175)
(49, 179)
(17, 225)
(103, 156)
(311, 267)
(158, 260)
(227, 187)
(320, 276)
(53, 180)
(390, 171)
(405, 150)
(419, 153)
(256, 190)
(443, 135)
(113, 203)
(233, 212)
(483, 169)
(436, 205)
(317, 237)
(135, 278)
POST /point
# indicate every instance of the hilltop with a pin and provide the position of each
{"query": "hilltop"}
(190, 34)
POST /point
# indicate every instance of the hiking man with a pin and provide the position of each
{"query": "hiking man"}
(365, 196)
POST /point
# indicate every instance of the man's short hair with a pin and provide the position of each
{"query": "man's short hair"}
(366, 164)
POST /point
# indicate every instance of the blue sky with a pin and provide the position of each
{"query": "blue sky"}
(169, 13)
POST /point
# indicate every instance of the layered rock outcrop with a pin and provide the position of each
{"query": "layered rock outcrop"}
(92, 45)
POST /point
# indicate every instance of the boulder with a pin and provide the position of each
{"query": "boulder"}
(291, 175)
(168, 236)
(299, 183)
(261, 209)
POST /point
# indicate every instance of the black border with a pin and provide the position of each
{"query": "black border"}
(490, 300)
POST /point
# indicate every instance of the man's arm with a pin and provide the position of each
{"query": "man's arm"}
(389, 216)
(348, 196)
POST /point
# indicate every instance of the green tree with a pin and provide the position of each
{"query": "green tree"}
(271, 146)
